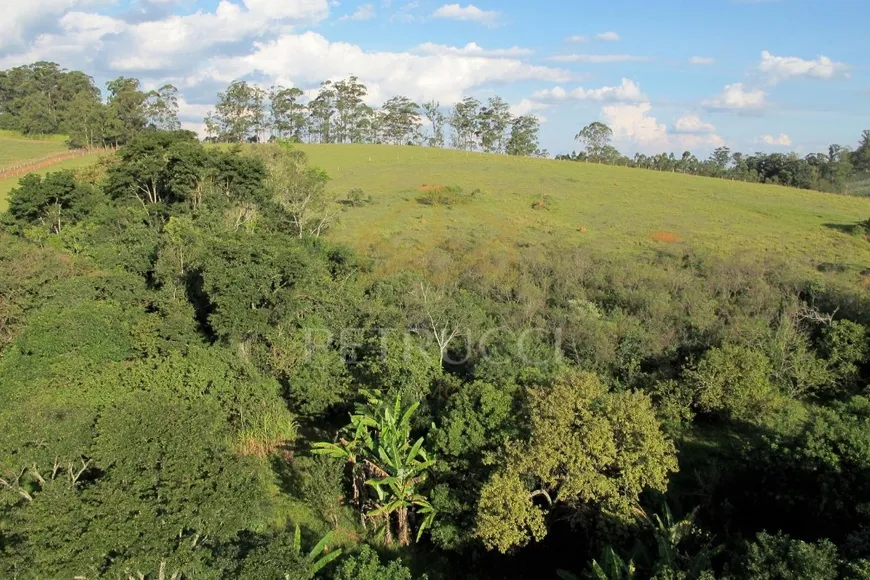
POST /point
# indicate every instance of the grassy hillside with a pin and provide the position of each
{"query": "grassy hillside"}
(15, 149)
(6, 185)
(603, 208)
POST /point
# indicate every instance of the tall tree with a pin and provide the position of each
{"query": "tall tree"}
(595, 138)
(126, 108)
(233, 119)
(350, 110)
(287, 113)
(463, 120)
(524, 136)
(437, 120)
(321, 111)
(401, 120)
(492, 125)
(161, 108)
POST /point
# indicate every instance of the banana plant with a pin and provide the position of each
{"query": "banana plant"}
(379, 446)
(316, 559)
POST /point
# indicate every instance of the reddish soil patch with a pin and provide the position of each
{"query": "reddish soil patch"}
(666, 237)
(425, 187)
(582, 229)
(538, 204)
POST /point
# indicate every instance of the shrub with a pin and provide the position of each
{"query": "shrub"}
(444, 195)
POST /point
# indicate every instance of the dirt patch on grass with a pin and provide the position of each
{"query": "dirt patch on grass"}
(666, 237)
(432, 187)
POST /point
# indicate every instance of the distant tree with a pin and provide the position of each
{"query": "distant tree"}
(321, 111)
(594, 137)
(234, 118)
(350, 110)
(524, 136)
(401, 120)
(287, 113)
(127, 112)
(492, 124)
(861, 156)
(437, 120)
(463, 120)
(161, 109)
(259, 114)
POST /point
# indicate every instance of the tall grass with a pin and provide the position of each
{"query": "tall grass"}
(274, 432)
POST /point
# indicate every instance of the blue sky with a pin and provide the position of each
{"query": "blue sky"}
(669, 75)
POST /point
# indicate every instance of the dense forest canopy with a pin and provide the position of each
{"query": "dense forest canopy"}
(198, 383)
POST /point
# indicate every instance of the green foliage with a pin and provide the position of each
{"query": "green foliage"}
(53, 202)
(319, 481)
(779, 557)
(367, 565)
(382, 457)
(844, 345)
(444, 195)
(735, 380)
(586, 447)
(149, 491)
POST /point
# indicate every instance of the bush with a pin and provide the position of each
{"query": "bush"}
(356, 197)
(445, 195)
(780, 557)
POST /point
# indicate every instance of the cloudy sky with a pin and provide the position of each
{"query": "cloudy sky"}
(757, 75)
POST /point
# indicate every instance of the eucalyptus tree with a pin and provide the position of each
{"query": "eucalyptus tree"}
(595, 138)
(126, 108)
(350, 110)
(233, 118)
(523, 138)
(401, 120)
(161, 108)
(437, 120)
(321, 113)
(287, 114)
(493, 121)
(463, 120)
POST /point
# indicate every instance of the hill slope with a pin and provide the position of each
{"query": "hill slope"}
(611, 209)
(15, 149)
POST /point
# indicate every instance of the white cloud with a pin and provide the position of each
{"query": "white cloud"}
(598, 58)
(177, 40)
(578, 38)
(466, 13)
(782, 141)
(526, 106)
(608, 36)
(693, 125)
(634, 124)
(306, 59)
(735, 96)
(781, 68)
(627, 91)
(20, 15)
(364, 12)
(472, 49)
(702, 60)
